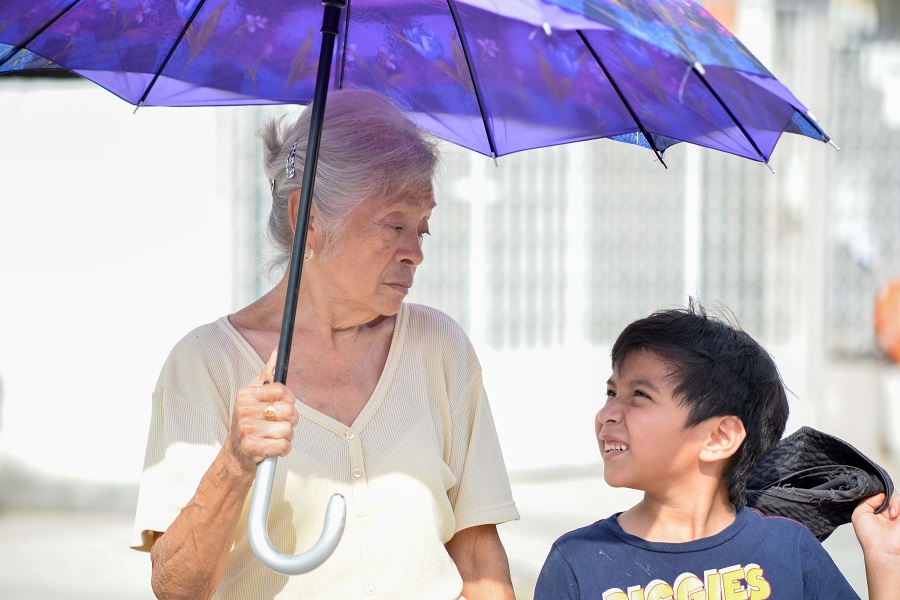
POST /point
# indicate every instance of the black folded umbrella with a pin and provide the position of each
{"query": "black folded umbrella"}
(816, 479)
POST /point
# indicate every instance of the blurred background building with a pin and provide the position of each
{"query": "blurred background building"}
(543, 258)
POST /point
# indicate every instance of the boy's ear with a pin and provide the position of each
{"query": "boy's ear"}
(726, 434)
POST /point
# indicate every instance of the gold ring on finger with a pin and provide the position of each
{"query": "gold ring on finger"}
(269, 413)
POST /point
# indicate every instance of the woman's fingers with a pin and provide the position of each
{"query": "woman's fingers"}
(256, 406)
(279, 410)
(255, 437)
(271, 439)
(267, 375)
(275, 438)
(264, 418)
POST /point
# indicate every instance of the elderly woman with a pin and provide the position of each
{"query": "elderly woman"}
(384, 401)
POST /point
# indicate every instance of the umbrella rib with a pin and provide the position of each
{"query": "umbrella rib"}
(165, 61)
(618, 91)
(35, 35)
(698, 69)
(812, 122)
(340, 85)
(464, 44)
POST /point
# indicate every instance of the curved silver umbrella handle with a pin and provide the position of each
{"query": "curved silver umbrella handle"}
(287, 564)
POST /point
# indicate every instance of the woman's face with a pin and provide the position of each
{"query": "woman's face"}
(372, 267)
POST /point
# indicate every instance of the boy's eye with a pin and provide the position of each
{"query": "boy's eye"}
(610, 393)
(641, 394)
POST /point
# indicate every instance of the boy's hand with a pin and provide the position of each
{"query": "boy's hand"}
(879, 536)
(878, 533)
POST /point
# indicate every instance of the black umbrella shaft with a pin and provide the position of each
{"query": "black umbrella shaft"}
(330, 23)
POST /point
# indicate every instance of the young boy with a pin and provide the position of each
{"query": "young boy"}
(692, 405)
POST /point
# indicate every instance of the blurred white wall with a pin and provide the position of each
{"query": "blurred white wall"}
(115, 240)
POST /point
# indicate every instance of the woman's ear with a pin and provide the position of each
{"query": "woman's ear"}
(294, 208)
(726, 434)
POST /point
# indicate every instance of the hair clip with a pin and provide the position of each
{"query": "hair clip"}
(289, 164)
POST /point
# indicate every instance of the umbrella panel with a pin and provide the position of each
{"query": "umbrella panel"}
(684, 29)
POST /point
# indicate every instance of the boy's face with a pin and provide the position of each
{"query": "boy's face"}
(641, 429)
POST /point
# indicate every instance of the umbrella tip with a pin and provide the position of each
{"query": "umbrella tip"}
(659, 157)
(139, 104)
(769, 167)
(494, 158)
(547, 29)
(831, 143)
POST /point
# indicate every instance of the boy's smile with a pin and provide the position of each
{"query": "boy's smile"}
(611, 446)
(641, 428)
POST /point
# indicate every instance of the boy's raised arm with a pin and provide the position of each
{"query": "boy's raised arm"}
(879, 536)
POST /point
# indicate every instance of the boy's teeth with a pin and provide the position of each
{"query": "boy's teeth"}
(610, 447)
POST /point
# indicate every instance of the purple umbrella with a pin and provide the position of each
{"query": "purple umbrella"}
(495, 76)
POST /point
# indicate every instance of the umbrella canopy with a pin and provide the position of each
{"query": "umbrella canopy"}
(493, 76)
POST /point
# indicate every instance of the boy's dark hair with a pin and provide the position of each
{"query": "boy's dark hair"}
(720, 371)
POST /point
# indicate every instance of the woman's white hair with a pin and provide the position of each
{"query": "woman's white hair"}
(369, 149)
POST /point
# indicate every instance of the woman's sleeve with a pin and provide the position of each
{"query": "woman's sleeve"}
(188, 423)
(482, 493)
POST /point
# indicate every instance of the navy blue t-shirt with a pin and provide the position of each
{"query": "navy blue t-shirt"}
(755, 557)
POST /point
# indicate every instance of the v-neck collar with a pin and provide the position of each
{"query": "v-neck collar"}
(378, 394)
